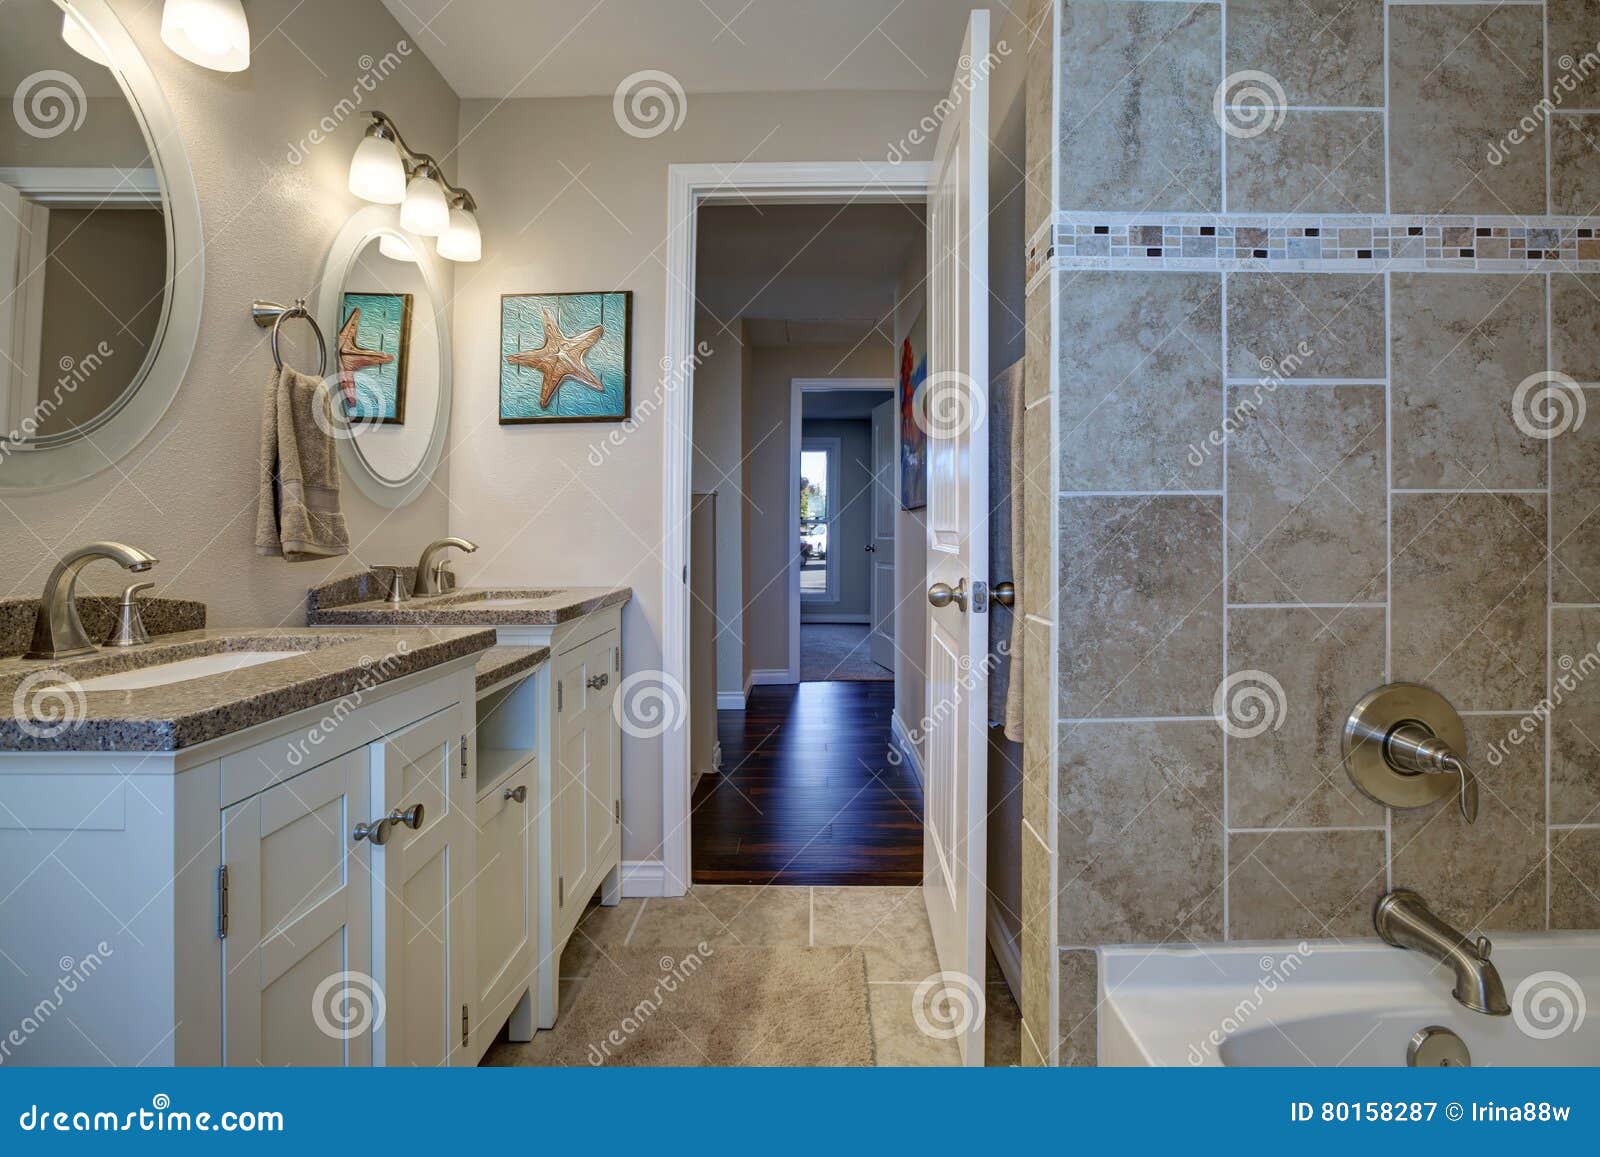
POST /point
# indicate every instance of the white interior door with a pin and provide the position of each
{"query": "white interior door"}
(11, 229)
(953, 405)
(880, 546)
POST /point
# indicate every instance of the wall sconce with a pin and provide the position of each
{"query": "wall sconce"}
(81, 40)
(211, 33)
(387, 171)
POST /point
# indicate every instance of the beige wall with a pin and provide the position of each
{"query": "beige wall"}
(1382, 512)
(770, 541)
(718, 436)
(188, 493)
(570, 201)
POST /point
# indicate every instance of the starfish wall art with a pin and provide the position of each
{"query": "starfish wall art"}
(564, 357)
(373, 352)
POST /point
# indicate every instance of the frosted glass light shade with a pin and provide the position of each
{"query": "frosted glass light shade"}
(461, 241)
(81, 40)
(377, 173)
(211, 33)
(425, 212)
(395, 248)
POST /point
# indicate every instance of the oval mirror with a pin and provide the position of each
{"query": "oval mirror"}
(382, 305)
(100, 268)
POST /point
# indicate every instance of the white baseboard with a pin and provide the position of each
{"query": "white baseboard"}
(1007, 952)
(642, 878)
(902, 739)
(731, 700)
(823, 620)
(769, 676)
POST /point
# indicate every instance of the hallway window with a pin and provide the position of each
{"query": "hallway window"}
(819, 483)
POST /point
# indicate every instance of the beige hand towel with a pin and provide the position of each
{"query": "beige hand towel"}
(297, 506)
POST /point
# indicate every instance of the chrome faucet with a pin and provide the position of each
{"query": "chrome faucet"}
(57, 631)
(1404, 919)
(427, 580)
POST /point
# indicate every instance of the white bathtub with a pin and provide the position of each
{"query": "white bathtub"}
(1326, 1004)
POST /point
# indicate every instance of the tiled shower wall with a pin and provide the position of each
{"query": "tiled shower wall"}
(1277, 456)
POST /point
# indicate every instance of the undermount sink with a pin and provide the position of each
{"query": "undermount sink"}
(198, 668)
(491, 598)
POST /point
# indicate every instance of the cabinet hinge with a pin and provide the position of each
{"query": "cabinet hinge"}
(619, 811)
(561, 891)
(558, 696)
(464, 751)
(222, 902)
(616, 659)
(466, 1027)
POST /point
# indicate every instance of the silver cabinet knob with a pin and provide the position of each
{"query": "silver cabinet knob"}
(943, 594)
(378, 830)
(518, 793)
(411, 816)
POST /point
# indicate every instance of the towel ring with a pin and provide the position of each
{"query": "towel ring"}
(270, 313)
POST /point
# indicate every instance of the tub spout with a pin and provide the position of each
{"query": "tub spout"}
(1404, 919)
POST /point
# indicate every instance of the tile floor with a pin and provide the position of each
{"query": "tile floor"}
(890, 925)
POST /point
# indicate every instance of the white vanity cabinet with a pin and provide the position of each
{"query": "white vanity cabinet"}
(588, 778)
(215, 905)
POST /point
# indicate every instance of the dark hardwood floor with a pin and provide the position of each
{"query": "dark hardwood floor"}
(807, 793)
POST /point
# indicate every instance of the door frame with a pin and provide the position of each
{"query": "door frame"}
(688, 188)
(798, 389)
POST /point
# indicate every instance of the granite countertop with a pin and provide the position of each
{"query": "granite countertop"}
(500, 663)
(162, 616)
(43, 709)
(479, 606)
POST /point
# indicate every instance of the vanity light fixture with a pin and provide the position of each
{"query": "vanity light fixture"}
(81, 40)
(387, 171)
(211, 33)
(395, 248)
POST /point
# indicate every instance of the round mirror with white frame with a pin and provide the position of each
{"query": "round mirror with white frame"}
(101, 265)
(383, 306)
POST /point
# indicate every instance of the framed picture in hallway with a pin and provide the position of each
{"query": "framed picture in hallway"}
(564, 357)
(913, 436)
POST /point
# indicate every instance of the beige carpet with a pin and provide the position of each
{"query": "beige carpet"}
(838, 652)
(728, 1006)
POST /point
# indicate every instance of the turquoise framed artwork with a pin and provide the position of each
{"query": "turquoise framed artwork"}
(564, 357)
(374, 348)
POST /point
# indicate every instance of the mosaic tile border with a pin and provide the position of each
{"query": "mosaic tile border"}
(1314, 243)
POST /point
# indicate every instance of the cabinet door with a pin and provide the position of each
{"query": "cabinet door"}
(575, 673)
(297, 955)
(422, 896)
(603, 775)
(504, 886)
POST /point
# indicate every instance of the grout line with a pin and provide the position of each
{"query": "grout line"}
(628, 939)
(1226, 614)
(1388, 479)
(1549, 550)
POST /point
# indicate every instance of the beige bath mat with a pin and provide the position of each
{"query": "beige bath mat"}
(726, 1006)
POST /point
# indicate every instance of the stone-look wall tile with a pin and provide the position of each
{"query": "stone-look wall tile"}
(1575, 716)
(1460, 78)
(1292, 885)
(1462, 343)
(1139, 840)
(1080, 998)
(1575, 878)
(1574, 30)
(1307, 494)
(1140, 590)
(1489, 875)
(1575, 326)
(1036, 338)
(1136, 88)
(1575, 511)
(1468, 597)
(1314, 162)
(1038, 576)
(1039, 143)
(1292, 773)
(1140, 380)
(1306, 325)
(1323, 52)
(1037, 943)
(1574, 165)
(1038, 724)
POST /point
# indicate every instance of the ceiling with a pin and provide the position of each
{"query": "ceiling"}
(542, 48)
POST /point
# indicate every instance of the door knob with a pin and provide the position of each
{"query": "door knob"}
(1005, 594)
(411, 817)
(943, 594)
(871, 549)
(518, 793)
